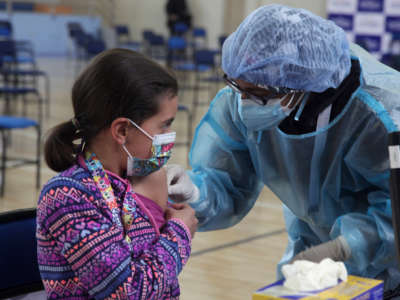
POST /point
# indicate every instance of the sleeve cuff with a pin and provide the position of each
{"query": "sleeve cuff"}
(183, 225)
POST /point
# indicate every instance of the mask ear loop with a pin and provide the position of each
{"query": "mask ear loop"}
(302, 105)
(138, 127)
(126, 150)
(144, 132)
(129, 163)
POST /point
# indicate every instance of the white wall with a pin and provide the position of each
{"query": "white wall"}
(210, 15)
(150, 14)
(140, 15)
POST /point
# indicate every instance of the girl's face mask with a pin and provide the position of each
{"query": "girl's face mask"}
(161, 151)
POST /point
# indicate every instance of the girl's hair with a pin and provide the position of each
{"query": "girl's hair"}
(117, 83)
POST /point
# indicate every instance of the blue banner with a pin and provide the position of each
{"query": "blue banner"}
(370, 5)
(344, 21)
(370, 42)
(393, 24)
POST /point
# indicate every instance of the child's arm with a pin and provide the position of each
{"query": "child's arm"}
(153, 186)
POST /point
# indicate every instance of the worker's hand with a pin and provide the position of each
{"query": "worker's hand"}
(183, 212)
(337, 250)
(180, 186)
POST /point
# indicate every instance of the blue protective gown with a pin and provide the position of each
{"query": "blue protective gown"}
(334, 181)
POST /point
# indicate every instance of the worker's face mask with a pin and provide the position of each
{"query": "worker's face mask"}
(262, 117)
(161, 151)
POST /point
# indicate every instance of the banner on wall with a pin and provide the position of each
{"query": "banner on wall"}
(373, 24)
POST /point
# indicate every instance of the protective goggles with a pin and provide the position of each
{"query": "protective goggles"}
(274, 92)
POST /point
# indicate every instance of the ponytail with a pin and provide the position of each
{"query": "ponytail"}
(59, 149)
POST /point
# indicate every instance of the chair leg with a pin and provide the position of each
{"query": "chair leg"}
(196, 97)
(47, 83)
(189, 134)
(24, 109)
(38, 163)
(3, 162)
(7, 109)
(40, 109)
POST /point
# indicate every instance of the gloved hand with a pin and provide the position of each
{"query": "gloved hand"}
(180, 186)
(337, 250)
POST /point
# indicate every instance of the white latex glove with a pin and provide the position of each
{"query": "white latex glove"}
(337, 250)
(180, 186)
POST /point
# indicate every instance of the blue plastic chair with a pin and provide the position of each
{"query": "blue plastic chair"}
(176, 50)
(23, 52)
(19, 271)
(87, 46)
(146, 34)
(73, 29)
(201, 63)
(11, 93)
(199, 32)
(221, 40)
(5, 30)
(177, 59)
(186, 110)
(8, 123)
(157, 40)
(20, 80)
(124, 38)
(204, 62)
(180, 28)
(199, 38)
(154, 45)
(122, 30)
(94, 47)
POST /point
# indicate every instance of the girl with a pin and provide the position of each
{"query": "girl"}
(97, 238)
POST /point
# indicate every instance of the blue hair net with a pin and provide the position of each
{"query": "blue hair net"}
(287, 47)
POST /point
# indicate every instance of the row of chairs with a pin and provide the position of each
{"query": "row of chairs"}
(19, 82)
(19, 77)
(85, 45)
(197, 35)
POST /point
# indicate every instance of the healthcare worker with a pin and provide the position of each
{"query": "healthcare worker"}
(307, 115)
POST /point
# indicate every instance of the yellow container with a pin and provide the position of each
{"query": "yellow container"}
(359, 288)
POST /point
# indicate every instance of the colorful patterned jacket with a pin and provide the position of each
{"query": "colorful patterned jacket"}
(83, 255)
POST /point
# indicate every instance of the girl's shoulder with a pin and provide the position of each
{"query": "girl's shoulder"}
(154, 187)
(74, 181)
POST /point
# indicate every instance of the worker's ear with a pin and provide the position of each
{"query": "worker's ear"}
(119, 130)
